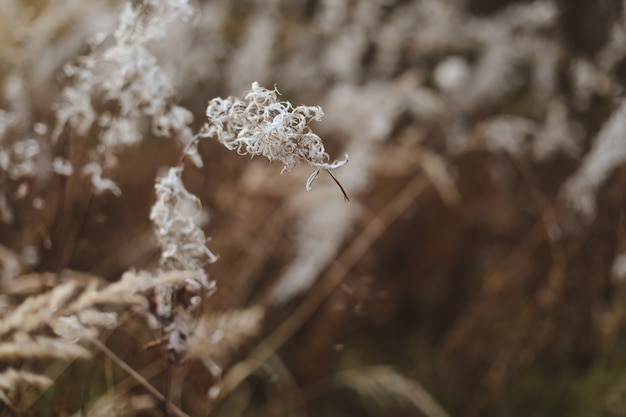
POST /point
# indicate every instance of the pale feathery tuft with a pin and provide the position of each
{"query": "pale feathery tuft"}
(259, 124)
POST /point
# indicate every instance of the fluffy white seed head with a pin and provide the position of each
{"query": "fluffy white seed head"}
(183, 243)
(260, 124)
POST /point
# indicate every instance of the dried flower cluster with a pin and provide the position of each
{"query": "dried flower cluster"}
(259, 124)
(182, 241)
(174, 215)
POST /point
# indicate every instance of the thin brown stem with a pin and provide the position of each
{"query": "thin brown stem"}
(345, 195)
(151, 389)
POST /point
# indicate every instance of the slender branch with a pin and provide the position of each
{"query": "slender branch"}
(151, 389)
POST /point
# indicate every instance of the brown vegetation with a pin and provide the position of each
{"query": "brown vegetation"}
(478, 270)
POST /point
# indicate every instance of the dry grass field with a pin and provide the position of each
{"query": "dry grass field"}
(313, 208)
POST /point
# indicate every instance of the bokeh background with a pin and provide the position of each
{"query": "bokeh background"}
(481, 263)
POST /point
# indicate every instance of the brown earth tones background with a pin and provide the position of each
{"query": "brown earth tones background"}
(479, 269)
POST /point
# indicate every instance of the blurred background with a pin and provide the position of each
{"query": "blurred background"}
(480, 267)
